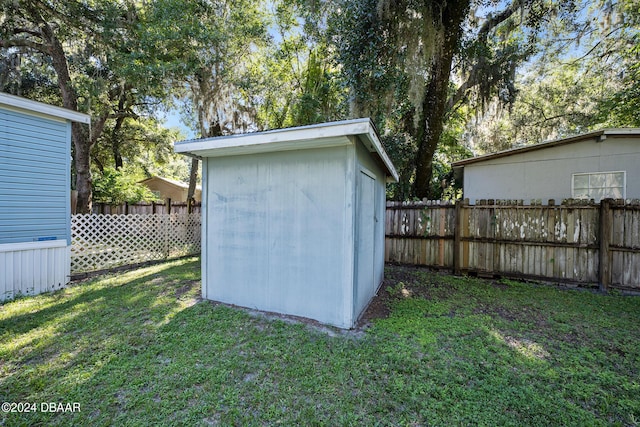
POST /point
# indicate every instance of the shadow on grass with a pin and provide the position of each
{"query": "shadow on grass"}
(459, 352)
(60, 303)
(52, 343)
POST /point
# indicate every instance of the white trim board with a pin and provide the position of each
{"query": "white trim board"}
(19, 103)
(27, 246)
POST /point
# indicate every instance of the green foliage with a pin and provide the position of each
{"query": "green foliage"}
(401, 148)
(396, 290)
(622, 107)
(205, 48)
(115, 187)
(300, 82)
(100, 67)
(584, 77)
(520, 72)
(143, 145)
(30, 77)
(391, 54)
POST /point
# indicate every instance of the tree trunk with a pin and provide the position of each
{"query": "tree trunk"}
(116, 138)
(434, 105)
(116, 142)
(213, 131)
(81, 141)
(193, 177)
(83, 168)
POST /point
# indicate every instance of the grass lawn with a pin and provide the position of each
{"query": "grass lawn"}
(141, 349)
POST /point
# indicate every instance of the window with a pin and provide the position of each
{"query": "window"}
(599, 185)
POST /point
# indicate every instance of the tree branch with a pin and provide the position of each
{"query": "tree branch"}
(494, 21)
(97, 128)
(17, 31)
(482, 35)
(598, 43)
(40, 47)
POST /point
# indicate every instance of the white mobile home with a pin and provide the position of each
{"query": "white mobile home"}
(596, 165)
(35, 212)
(293, 219)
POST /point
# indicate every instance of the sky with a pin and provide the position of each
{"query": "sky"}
(173, 120)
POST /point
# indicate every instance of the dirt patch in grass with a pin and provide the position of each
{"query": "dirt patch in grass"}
(186, 288)
(402, 282)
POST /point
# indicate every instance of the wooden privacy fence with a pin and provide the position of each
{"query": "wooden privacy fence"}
(101, 242)
(169, 207)
(575, 242)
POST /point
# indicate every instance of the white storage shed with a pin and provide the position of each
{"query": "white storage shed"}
(293, 219)
(35, 185)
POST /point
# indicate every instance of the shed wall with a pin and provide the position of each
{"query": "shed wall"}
(367, 163)
(547, 173)
(34, 177)
(279, 232)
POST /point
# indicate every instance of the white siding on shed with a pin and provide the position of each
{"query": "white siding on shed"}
(276, 231)
(293, 220)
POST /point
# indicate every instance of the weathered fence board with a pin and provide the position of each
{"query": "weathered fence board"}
(553, 242)
(145, 208)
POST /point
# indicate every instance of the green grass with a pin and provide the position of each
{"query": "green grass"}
(141, 349)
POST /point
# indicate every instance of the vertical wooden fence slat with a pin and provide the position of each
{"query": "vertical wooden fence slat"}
(604, 276)
(457, 264)
(578, 242)
(465, 213)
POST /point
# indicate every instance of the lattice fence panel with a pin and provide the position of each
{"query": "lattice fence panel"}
(106, 241)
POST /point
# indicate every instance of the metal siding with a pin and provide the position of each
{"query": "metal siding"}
(32, 271)
(34, 177)
(348, 236)
(365, 286)
(546, 174)
(67, 191)
(367, 161)
(275, 232)
(204, 241)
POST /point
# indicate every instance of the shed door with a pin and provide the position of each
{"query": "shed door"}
(365, 238)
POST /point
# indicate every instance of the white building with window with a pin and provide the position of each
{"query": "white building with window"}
(595, 165)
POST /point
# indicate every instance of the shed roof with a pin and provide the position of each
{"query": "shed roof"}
(21, 103)
(600, 136)
(313, 136)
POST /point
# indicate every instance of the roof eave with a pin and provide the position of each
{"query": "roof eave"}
(28, 105)
(548, 144)
(312, 136)
(372, 137)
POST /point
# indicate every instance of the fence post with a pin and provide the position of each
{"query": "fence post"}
(126, 208)
(606, 225)
(457, 233)
(168, 205)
